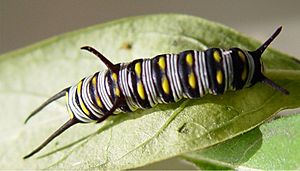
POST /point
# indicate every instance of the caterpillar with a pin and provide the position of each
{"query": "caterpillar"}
(166, 78)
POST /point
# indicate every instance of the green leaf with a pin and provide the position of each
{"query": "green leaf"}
(31, 75)
(272, 146)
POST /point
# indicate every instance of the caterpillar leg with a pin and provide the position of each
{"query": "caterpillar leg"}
(109, 65)
(51, 99)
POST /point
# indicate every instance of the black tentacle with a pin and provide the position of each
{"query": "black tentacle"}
(51, 99)
(64, 127)
(109, 64)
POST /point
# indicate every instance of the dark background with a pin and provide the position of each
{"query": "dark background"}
(23, 22)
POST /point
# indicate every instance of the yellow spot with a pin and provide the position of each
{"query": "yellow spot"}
(117, 91)
(165, 85)
(189, 59)
(94, 81)
(98, 101)
(217, 56)
(242, 56)
(85, 110)
(115, 77)
(79, 87)
(219, 77)
(192, 80)
(69, 110)
(140, 89)
(244, 74)
(162, 63)
(83, 107)
(138, 69)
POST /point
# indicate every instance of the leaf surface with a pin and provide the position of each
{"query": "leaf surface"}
(272, 146)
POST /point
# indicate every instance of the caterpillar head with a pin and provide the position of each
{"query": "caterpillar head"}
(259, 67)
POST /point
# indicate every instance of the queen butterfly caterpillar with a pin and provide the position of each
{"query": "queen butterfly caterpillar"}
(166, 78)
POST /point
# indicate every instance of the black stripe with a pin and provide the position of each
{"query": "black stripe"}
(238, 65)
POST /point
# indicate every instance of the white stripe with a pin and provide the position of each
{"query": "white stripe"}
(125, 87)
(170, 76)
(145, 82)
(102, 81)
(174, 74)
(86, 100)
(198, 73)
(251, 68)
(204, 72)
(151, 83)
(74, 107)
(225, 68)
(229, 69)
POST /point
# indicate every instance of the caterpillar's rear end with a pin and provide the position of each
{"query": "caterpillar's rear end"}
(166, 78)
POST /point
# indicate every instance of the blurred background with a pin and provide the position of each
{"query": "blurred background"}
(28, 21)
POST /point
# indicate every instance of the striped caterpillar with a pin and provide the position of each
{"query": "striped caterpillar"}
(166, 78)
